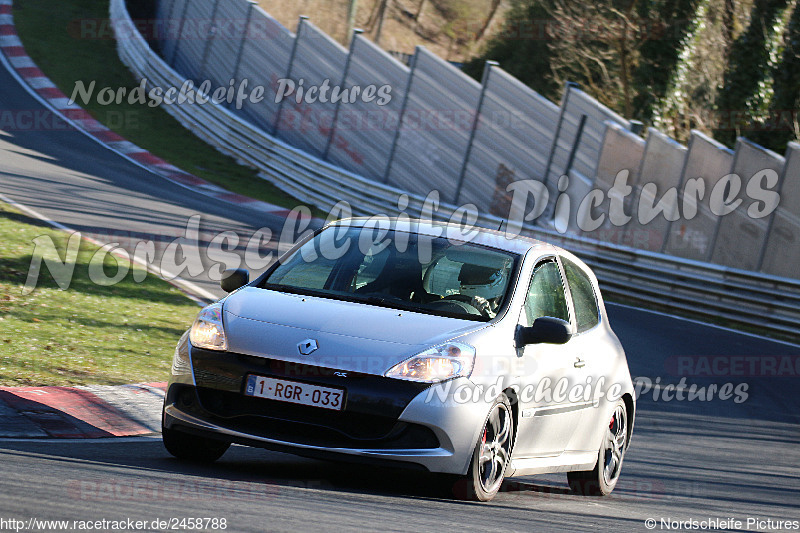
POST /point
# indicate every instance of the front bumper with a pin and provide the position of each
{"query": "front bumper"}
(384, 420)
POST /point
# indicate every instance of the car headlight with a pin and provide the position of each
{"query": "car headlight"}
(207, 331)
(446, 361)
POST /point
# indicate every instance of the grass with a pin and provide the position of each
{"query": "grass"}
(89, 334)
(54, 43)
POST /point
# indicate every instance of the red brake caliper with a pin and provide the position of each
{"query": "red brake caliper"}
(483, 439)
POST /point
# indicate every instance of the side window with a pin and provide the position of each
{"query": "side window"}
(546, 294)
(586, 313)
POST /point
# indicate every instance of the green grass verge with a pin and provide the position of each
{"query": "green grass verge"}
(52, 39)
(89, 334)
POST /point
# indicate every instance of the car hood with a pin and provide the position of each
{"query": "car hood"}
(349, 335)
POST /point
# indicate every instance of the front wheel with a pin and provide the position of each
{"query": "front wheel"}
(192, 448)
(492, 453)
(602, 480)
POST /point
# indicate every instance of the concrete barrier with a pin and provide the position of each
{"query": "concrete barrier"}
(741, 239)
(659, 176)
(574, 105)
(365, 132)
(435, 131)
(709, 160)
(512, 140)
(621, 150)
(782, 254)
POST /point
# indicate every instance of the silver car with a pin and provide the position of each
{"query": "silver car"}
(414, 344)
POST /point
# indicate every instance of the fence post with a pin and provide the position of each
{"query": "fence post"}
(351, 20)
(575, 145)
(413, 65)
(209, 39)
(567, 88)
(342, 85)
(300, 24)
(251, 7)
(487, 69)
(180, 34)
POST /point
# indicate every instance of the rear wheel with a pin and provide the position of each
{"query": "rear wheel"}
(191, 447)
(491, 455)
(602, 480)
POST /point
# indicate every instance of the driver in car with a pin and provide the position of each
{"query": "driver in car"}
(485, 286)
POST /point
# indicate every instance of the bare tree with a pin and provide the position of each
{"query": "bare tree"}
(596, 44)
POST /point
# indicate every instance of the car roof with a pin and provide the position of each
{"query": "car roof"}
(477, 235)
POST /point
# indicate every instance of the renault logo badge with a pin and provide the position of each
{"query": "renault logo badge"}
(308, 346)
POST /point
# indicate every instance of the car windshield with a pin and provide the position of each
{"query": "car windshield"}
(398, 269)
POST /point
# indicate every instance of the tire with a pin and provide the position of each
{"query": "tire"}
(602, 480)
(193, 448)
(491, 455)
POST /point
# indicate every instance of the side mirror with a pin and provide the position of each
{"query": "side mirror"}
(233, 279)
(546, 330)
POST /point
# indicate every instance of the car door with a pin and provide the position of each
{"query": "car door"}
(587, 345)
(547, 418)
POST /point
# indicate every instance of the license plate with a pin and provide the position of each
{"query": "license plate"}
(294, 392)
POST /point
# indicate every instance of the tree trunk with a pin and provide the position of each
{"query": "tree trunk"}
(381, 17)
(419, 10)
(728, 18)
(488, 21)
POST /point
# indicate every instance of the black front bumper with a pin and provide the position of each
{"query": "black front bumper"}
(369, 419)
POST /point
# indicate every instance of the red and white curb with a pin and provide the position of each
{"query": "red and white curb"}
(44, 90)
(81, 412)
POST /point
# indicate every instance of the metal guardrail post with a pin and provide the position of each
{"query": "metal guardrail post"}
(300, 24)
(250, 8)
(401, 115)
(209, 39)
(180, 34)
(356, 32)
(487, 69)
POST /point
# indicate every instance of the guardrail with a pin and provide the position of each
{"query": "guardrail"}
(742, 298)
